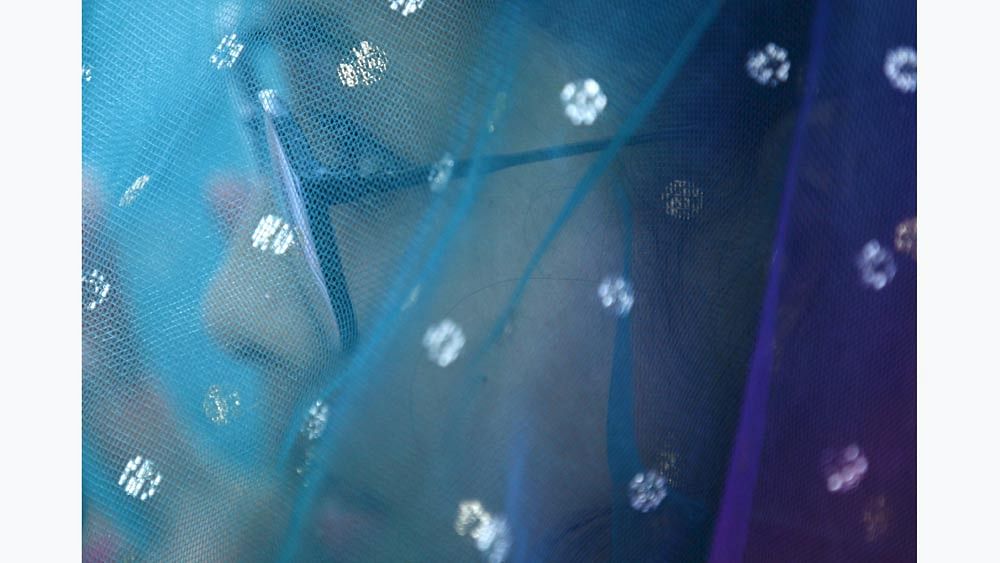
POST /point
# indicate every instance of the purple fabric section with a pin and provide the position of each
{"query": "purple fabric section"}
(733, 521)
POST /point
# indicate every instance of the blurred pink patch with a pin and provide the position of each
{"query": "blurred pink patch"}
(339, 528)
(228, 197)
(101, 548)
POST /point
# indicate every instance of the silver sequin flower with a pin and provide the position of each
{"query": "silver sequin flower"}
(440, 173)
(493, 539)
(406, 7)
(95, 290)
(133, 191)
(844, 469)
(369, 64)
(267, 98)
(769, 66)
(616, 295)
(906, 238)
(272, 233)
(226, 53)
(901, 69)
(647, 490)
(319, 412)
(444, 342)
(221, 408)
(490, 532)
(140, 478)
(583, 101)
(875, 265)
(682, 199)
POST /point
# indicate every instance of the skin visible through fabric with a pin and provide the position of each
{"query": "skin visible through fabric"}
(389, 452)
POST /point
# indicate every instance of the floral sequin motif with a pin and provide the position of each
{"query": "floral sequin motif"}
(647, 490)
(682, 199)
(367, 68)
(444, 341)
(769, 66)
(95, 290)
(406, 7)
(226, 53)
(616, 295)
(844, 469)
(220, 407)
(583, 101)
(315, 424)
(901, 69)
(140, 478)
(273, 234)
(440, 173)
(905, 240)
(875, 265)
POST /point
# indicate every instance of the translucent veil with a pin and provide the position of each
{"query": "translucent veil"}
(416, 280)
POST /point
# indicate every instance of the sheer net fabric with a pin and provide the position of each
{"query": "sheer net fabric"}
(503, 281)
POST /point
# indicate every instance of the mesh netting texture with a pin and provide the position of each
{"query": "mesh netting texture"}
(423, 280)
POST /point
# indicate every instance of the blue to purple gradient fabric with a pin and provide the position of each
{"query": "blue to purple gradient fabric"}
(835, 362)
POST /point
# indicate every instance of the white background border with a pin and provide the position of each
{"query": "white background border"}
(40, 314)
(958, 337)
